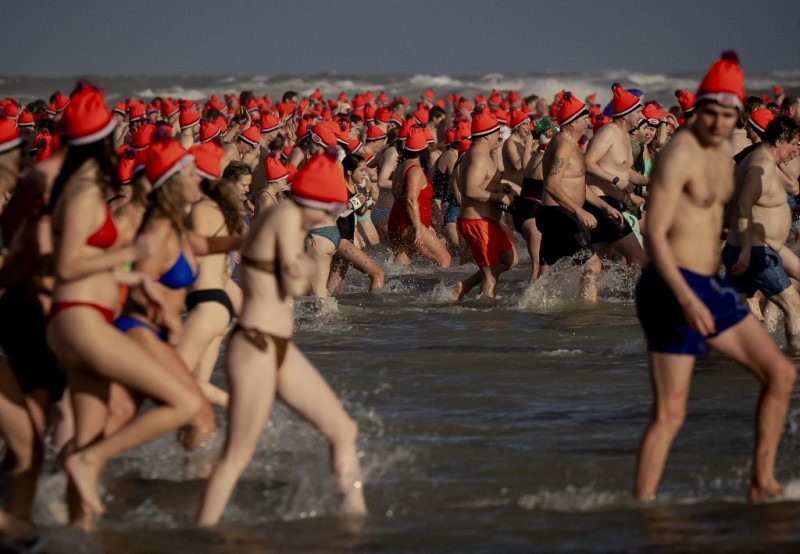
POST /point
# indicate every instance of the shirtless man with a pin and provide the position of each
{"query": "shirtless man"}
(518, 148)
(532, 193)
(563, 218)
(479, 215)
(683, 305)
(246, 149)
(760, 223)
(610, 174)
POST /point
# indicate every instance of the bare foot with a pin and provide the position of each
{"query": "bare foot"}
(85, 474)
(353, 502)
(759, 493)
(458, 293)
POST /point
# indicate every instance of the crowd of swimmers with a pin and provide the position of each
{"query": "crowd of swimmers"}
(122, 226)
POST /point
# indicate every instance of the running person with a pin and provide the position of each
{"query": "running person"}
(684, 307)
(261, 360)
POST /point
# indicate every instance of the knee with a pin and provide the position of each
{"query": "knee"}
(672, 416)
(236, 460)
(345, 434)
(783, 377)
(444, 259)
(190, 406)
(593, 265)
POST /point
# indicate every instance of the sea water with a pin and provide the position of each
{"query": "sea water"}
(485, 426)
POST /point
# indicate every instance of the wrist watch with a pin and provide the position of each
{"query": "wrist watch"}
(614, 181)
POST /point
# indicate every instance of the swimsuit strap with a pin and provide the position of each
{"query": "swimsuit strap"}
(267, 266)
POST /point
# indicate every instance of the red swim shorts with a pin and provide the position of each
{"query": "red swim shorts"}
(486, 239)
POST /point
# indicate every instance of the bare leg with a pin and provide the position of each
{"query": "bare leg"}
(203, 331)
(629, 247)
(303, 389)
(252, 381)
(110, 355)
(25, 452)
(748, 344)
(670, 375)
(363, 263)
(339, 268)
(429, 246)
(533, 240)
(591, 269)
(368, 232)
(463, 287)
(789, 302)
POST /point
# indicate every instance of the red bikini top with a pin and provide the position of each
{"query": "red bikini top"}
(106, 235)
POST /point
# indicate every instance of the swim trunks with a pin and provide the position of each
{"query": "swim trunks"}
(662, 317)
(528, 202)
(563, 236)
(486, 239)
(607, 230)
(765, 272)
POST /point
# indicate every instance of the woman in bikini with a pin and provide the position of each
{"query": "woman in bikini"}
(79, 328)
(323, 238)
(348, 254)
(174, 178)
(262, 362)
(410, 218)
(214, 298)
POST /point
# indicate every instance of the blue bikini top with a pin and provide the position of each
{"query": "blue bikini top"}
(180, 275)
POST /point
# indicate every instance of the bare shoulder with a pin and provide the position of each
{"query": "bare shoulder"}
(605, 136)
(682, 148)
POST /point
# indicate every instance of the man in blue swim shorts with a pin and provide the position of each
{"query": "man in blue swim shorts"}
(761, 221)
(684, 307)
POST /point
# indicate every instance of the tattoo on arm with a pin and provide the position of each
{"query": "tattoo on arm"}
(557, 165)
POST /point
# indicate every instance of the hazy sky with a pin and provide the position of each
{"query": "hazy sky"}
(264, 37)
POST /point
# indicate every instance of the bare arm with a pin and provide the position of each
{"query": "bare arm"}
(598, 202)
(789, 179)
(598, 147)
(554, 164)
(751, 190)
(296, 268)
(475, 178)
(204, 246)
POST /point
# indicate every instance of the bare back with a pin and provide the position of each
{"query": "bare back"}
(266, 306)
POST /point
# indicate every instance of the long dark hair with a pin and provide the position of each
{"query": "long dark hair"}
(102, 151)
(351, 162)
(221, 192)
(424, 157)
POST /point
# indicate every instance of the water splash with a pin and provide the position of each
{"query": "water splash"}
(575, 499)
